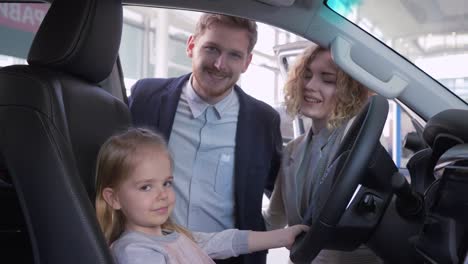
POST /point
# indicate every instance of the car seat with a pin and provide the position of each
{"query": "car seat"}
(54, 118)
(444, 235)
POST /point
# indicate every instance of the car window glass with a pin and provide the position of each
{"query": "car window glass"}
(429, 34)
(287, 125)
(19, 23)
(397, 128)
(154, 45)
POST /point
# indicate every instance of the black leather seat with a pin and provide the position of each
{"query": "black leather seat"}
(444, 236)
(54, 117)
(446, 129)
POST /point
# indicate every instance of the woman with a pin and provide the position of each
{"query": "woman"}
(316, 88)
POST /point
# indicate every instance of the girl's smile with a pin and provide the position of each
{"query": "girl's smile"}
(162, 210)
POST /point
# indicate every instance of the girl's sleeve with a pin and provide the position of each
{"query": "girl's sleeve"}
(137, 254)
(224, 244)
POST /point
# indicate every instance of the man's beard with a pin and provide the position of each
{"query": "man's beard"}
(208, 72)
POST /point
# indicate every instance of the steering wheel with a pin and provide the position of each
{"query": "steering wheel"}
(358, 148)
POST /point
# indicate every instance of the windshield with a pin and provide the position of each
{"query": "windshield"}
(431, 34)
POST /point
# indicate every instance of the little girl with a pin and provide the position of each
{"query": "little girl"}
(135, 198)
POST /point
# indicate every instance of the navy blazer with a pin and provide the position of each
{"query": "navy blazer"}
(153, 103)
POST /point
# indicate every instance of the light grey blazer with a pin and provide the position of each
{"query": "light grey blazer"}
(285, 203)
(285, 192)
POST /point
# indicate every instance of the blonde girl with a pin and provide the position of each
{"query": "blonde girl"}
(135, 199)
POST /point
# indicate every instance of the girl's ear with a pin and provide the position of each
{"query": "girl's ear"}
(111, 198)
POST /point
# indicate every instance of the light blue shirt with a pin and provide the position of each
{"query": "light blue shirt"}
(202, 143)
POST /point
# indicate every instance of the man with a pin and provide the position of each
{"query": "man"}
(225, 144)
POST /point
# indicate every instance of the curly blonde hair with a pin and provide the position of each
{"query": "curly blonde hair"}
(350, 94)
(117, 159)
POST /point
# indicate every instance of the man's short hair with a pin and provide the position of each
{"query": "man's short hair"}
(206, 20)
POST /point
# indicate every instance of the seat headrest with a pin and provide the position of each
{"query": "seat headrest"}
(446, 129)
(79, 37)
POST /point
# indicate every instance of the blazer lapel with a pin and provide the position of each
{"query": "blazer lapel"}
(244, 138)
(168, 105)
(297, 153)
(292, 168)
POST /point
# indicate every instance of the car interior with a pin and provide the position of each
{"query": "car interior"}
(57, 110)
(49, 108)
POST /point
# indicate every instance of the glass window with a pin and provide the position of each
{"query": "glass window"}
(18, 25)
(397, 127)
(154, 45)
(266, 39)
(286, 125)
(137, 53)
(263, 90)
(431, 34)
(130, 51)
(175, 71)
(177, 54)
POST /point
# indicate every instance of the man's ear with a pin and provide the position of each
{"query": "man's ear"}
(111, 198)
(247, 62)
(190, 46)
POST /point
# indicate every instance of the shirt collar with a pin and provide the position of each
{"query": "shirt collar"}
(322, 137)
(197, 105)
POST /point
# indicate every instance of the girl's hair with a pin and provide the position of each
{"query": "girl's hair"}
(350, 94)
(117, 159)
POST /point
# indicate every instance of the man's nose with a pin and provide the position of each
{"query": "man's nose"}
(220, 62)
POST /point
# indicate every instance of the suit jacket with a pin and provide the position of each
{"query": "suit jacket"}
(153, 103)
(285, 207)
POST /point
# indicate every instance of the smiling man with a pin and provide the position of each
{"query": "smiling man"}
(225, 144)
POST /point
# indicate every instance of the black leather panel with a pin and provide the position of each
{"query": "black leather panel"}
(59, 216)
(80, 37)
(15, 89)
(92, 116)
(450, 124)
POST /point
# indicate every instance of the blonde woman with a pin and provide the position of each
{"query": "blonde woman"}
(317, 89)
